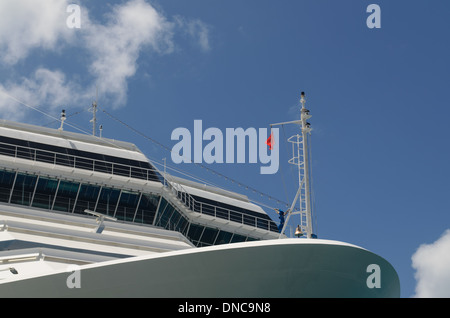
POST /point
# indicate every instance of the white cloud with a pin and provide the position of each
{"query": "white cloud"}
(110, 50)
(44, 88)
(432, 265)
(116, 46)
(30, 24)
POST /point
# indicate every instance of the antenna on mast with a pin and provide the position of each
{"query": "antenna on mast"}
(94, 113)
(94, 117)
(300, 158)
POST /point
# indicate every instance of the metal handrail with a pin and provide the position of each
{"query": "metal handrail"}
(74, 161)
(218, 212)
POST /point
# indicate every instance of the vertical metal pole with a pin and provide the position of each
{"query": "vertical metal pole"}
(34, 191)
(13, 185)
(76, 198)
(117, 204)
(56, 192)
(301, 160)
(137, 207)
(94, 117)
(299, 174)
(157, 210)
(98, 198)
(305, 131)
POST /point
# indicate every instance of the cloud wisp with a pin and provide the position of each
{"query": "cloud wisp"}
(196, 30)
(43, 86)
(432, 265)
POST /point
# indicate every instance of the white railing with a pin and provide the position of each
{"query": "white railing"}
(80, 162)
(91, 164)
(216, 211)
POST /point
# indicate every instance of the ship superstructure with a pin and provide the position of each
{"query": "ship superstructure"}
(64, 172)
(87, 216)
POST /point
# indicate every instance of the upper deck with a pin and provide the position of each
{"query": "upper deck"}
(75, 150)
(68, 172)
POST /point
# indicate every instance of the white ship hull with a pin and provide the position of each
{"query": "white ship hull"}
(263, 269)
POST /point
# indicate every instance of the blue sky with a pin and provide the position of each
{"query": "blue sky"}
(378, 98)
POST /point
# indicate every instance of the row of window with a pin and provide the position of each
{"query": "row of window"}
(233, 213)
(129, 206)
(74, 197)
(77, 159)
(171, 219)
(108, 164)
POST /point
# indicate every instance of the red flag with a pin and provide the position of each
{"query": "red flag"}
(269, 141)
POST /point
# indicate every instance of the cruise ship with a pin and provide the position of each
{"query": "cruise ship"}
(87, 216)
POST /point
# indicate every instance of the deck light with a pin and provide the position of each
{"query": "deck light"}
(298, 231)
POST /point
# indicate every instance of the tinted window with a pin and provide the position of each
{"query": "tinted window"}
(107, 201)
(209, 236)
(45, 193)
(87, 198)
(66, 196)
(147, 209)
(127, 206)
(195, 232)
(6, 182)
(223, 237)
(23, 189)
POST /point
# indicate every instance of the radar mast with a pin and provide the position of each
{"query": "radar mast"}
(300, 158)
